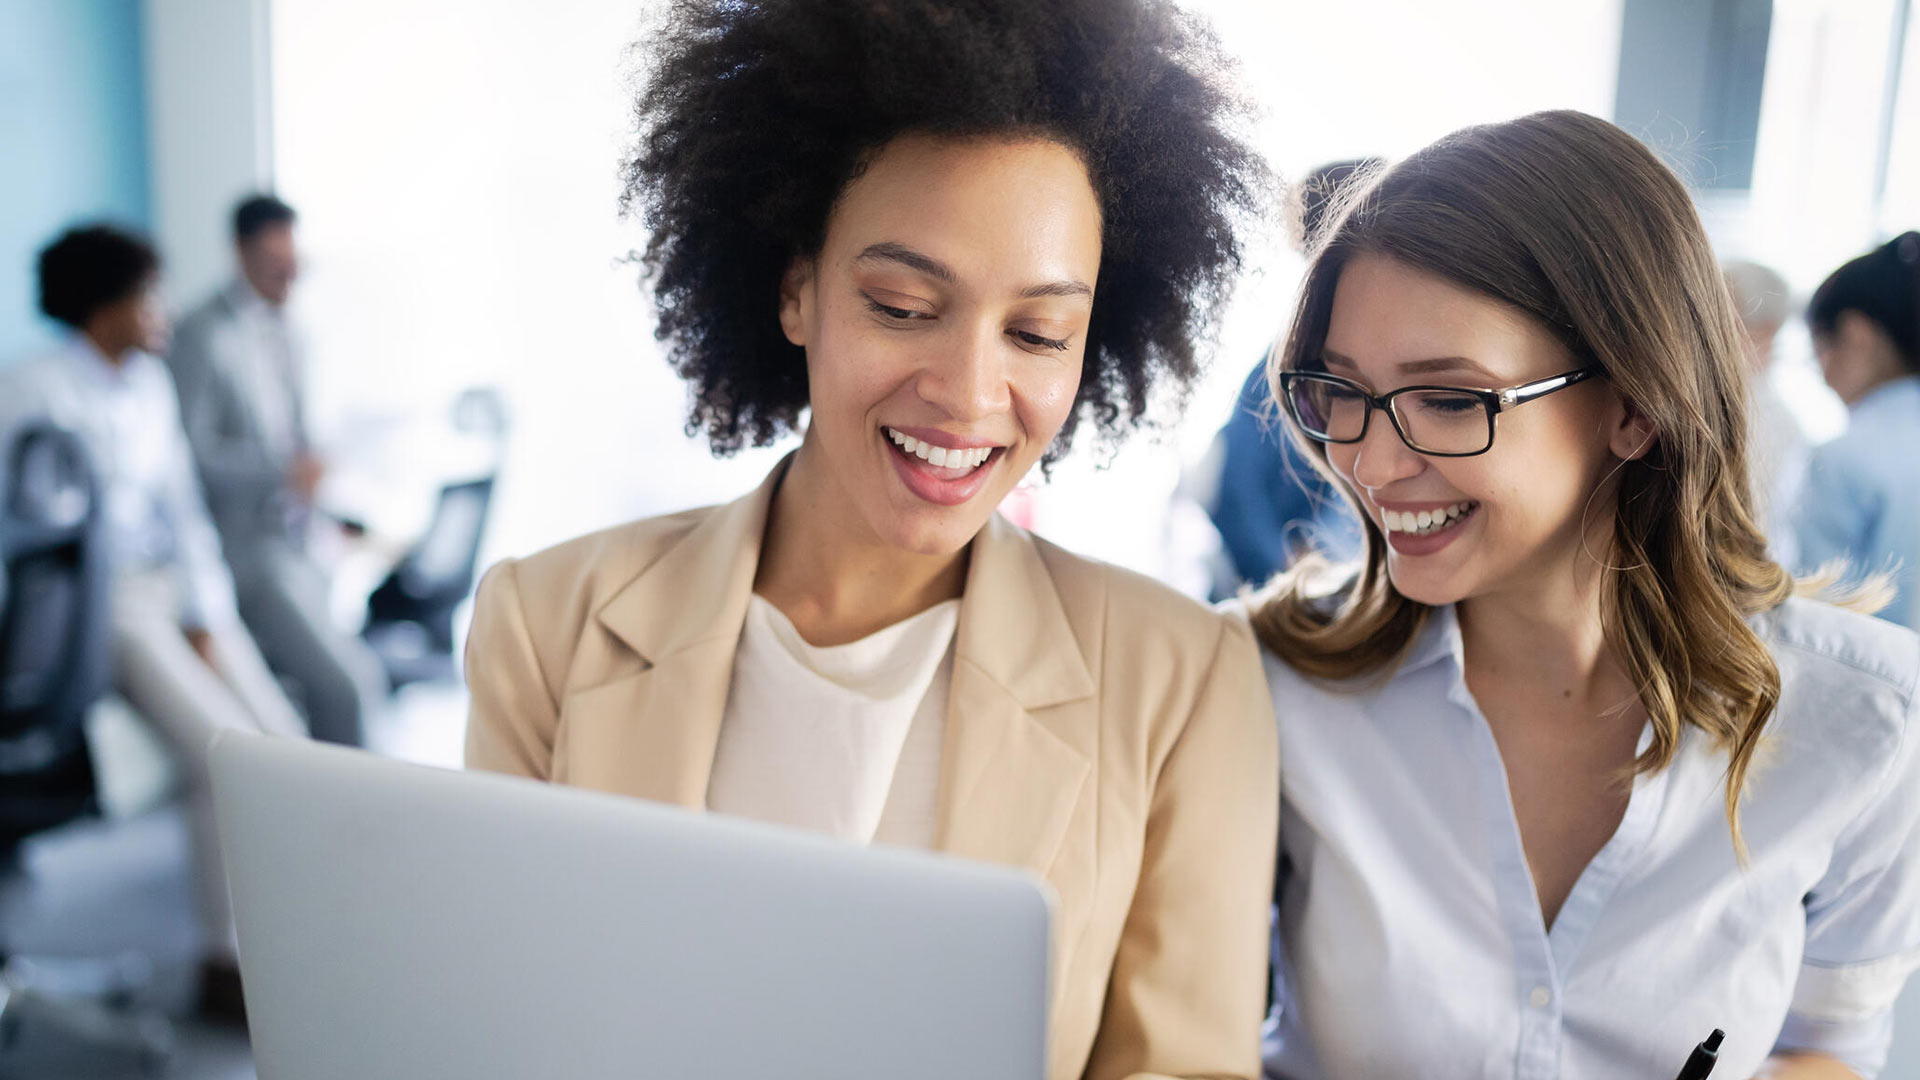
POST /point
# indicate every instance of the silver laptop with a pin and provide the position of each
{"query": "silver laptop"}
(402, 921)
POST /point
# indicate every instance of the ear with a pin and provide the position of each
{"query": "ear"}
(797, 308)
(1633, 435)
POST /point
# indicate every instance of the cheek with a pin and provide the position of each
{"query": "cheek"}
(1540, 486)
(1833, 362)
(850, 371)
(1044, 397)
(1341, 456)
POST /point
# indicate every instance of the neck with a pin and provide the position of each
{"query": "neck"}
(1546, 633)
(829, 574)
(253, 291)
(115, 354)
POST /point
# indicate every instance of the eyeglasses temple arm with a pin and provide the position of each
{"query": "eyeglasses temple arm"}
(1520, 395)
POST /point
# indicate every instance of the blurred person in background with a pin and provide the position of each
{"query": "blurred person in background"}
(182, 658)
(1861, 500)
(239, 363)
(1776, 443)
(1258, 486)
(952, 237)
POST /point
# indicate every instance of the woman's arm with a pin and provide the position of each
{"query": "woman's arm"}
(1188, 989)
(1863, 915)
(511, 719)
(1805, 1067)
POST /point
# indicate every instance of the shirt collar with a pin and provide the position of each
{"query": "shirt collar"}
(1439, 639)
(1891, 394)
(245, 301)
(95, 362)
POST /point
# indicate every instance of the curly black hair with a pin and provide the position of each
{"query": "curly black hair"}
(91, 267)
(756, 114)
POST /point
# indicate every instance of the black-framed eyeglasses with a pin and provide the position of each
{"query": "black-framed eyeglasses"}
(1439, 421)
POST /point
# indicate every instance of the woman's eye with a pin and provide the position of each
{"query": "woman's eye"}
(898, 314)
(1029, 338)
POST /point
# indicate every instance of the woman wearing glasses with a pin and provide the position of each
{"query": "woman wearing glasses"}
(1572, 773)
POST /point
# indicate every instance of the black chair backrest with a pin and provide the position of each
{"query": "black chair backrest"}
(442, 564)
(54, 625)
(438, 572)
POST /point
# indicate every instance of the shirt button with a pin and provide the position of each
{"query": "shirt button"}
(1540, 998)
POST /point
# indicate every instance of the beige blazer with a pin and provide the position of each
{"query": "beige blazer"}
(1103, 732)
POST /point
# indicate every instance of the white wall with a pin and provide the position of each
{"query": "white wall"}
(1901, 209)
(1820, 118)
(209, 127)
(456, 168)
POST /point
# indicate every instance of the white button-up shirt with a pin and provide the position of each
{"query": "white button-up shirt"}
(129, 419)
(1410, 940)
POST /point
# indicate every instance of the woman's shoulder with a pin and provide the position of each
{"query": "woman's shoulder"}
(1132, 604)
(578, 575)
(1823, 640)
(1848, 684)
(1863, 447)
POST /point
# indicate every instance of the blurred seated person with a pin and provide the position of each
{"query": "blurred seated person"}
(238, 363)
(1270, 504)
(1862, 496)
(1776, 443)
(182, 659)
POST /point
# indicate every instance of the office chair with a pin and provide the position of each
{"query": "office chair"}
(54, 664)
(410, 616)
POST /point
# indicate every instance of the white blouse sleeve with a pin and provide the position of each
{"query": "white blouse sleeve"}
(1863, 924)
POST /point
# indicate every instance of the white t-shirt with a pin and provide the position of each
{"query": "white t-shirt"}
(845, 739)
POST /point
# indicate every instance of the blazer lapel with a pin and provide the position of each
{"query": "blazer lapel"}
(1017, 754)
(650, 731)
(1015, 759)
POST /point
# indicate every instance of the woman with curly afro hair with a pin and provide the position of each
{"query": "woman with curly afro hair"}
(936, 238)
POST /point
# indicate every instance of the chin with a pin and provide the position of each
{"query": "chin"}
(932, 534)
(1431, 589)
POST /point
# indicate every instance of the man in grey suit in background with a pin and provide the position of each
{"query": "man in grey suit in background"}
(238, 364)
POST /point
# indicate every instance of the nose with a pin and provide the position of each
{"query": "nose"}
(968, 379)
(1381, 458)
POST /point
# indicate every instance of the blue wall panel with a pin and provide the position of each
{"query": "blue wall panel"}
(73, 139)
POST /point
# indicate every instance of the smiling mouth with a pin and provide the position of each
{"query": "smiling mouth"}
(1427, 522)
(952, 463)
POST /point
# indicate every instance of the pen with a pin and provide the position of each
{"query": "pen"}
(1703, 1058)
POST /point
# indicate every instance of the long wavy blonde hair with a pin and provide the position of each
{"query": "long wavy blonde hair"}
(1572, 221)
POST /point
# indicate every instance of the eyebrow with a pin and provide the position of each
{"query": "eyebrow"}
(939, 271)
(909, 258)
(1419, 367)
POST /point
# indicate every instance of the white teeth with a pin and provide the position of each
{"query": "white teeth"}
(1424, 521)
(940, 456)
